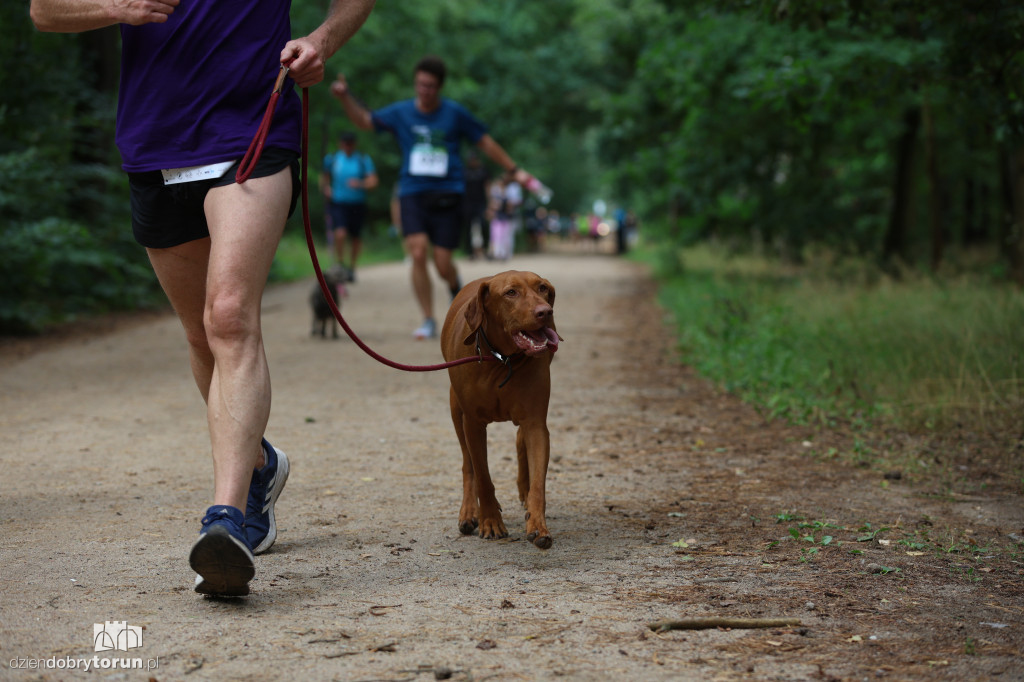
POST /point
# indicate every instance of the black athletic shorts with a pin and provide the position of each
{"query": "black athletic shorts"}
(168, 215)
(348, 216)
(439, 214)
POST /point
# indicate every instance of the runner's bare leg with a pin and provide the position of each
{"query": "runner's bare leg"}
(417, 245)
(226, 350)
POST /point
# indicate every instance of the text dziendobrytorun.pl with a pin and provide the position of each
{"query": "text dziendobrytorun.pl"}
(83, 663)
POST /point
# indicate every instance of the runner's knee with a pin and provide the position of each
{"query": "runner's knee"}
(228, 320)
(417, 250)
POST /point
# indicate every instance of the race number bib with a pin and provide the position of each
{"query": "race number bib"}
(174, 176)
(428, 160)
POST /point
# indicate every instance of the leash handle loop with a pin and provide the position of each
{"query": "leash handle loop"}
(279, 85)
(252, 154)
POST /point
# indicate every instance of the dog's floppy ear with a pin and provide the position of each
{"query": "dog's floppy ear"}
(550, 296)
(475, 311)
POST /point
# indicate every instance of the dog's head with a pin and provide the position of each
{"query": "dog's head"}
(336, 274)
(519, 305)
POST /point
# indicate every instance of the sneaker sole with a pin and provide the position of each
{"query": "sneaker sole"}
(276, 486)
(223, 563)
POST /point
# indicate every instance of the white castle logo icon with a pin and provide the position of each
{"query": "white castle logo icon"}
(116, 636)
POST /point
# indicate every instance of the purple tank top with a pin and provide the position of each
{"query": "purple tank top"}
(194, 89)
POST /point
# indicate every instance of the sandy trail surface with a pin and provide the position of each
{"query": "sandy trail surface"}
(666, 499)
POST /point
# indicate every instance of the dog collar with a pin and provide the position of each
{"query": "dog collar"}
(506, 360)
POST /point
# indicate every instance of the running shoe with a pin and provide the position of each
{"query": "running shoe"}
(222, 557)
(266, 486)
(427, 330)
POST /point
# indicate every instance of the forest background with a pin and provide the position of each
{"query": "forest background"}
(831, 192)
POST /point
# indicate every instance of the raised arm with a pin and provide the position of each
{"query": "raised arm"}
(75, 16)
(310, 54)
(356, 112)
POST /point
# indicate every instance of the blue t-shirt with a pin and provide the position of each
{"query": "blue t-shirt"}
(343, 168)
(430, 144)
(193, 89)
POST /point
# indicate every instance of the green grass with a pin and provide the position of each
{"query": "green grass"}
(921, 353)
(292, 261)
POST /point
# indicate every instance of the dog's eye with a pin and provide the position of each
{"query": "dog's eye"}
(511, 293)
(543, 288)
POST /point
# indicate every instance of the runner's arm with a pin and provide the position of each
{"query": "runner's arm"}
(75, 16)
(325, 183)
(356, 112)
(309, 55)
(496, 153)
(371, 181)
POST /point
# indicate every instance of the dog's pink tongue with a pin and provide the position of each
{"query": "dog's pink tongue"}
(552, 338)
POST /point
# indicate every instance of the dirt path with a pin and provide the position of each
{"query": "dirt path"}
(666, 500)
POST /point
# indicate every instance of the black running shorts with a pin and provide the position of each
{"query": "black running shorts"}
(439, 214)
(168, 215)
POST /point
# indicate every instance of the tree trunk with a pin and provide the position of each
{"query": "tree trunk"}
(934, 189)
(971, 233)
(896, 243)
(1012, 242)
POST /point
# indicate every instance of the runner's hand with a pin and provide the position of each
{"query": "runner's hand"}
(340, 86)
(138, 12)
(305, 60)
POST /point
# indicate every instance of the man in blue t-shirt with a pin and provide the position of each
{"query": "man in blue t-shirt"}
(195, 79)
(429, 130)
(347, 176)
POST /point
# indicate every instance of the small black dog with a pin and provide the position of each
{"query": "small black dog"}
(335, 276)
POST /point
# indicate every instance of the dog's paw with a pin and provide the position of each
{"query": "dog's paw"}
(537, 532)
(541, 541)
(468, 526)
(493, 529)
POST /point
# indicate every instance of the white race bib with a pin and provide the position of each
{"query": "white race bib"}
(173, 176)
(428, 160)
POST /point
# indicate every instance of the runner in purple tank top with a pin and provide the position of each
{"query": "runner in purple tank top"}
(196, 76)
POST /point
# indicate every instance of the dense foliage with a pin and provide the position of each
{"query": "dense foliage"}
(888, 130)
(885, 131)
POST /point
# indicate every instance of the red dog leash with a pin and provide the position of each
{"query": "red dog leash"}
(245, 169)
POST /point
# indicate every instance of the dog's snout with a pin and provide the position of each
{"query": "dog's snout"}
(542, 312)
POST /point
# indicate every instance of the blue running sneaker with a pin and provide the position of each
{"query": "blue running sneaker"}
(266, 486)
(427, 330)
(221, 556)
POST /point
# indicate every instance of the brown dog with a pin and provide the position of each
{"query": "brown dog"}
(509, 318)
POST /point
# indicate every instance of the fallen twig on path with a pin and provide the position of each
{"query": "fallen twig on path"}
(716, 622)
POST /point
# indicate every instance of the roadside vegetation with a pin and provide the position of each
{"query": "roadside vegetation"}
(853, 350)
(806, 346)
